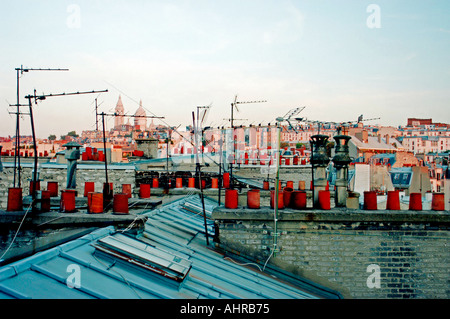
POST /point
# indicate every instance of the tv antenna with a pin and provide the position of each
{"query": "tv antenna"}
(19, 72)
(288, 116)
(234, 105)
(106, 190)
(96, 112)
(197, 128)
(36, 99)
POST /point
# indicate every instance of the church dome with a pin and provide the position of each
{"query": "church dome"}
(140, 111)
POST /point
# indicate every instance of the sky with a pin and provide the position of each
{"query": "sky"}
(340, 59)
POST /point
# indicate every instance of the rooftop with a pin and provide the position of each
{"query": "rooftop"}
(374, 144)
(169, 259)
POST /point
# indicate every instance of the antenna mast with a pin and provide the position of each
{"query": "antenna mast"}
(234, 105)
(36, 99)
(20, 71)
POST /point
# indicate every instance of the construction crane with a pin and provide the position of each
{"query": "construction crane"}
(339, 125)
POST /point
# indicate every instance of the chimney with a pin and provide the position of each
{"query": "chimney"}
(379, 138)
(387, 138)
(365, 136)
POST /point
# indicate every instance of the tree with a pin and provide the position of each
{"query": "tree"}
(52, 137)
(73, 134)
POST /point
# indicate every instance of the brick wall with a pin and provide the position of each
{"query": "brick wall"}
(343, 249)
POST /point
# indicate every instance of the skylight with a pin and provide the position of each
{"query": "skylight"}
(145, 256)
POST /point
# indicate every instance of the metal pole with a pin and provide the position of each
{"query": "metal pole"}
(277, 190)
(203, 201)
(34, 181)
(234, 158)
(106, 190)
(312, 173)
(17, 149)
(234, 150)
(104, 146)
(167, 160)
(232, 106)
(199, 173)
(220, 164)
(96, 115)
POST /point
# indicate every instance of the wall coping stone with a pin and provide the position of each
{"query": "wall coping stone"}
(333, 215)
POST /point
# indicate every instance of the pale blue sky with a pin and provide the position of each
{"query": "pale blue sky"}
(176, 55)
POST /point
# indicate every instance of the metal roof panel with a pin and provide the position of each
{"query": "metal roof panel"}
(172, 233)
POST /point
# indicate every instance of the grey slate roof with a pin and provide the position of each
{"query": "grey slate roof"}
(168, 260)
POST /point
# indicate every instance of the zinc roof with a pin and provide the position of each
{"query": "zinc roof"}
(374, 144)
(169, 259)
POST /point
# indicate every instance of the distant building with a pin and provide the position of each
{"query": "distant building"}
(119, 111)
(418, 122)
(426, 144)
(414, 122)
(438, 176)
(363, 147)
(140, 120)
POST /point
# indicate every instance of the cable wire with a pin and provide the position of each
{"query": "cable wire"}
(14, 238)
(124, 279)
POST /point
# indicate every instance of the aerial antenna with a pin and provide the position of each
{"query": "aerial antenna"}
(205, 112)
(201, 118)
(20, 71)
(36, 99)
(277, 178)
(234, 105)
(288, 116)
(96, 113)
(198, 168)
(139, 116)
